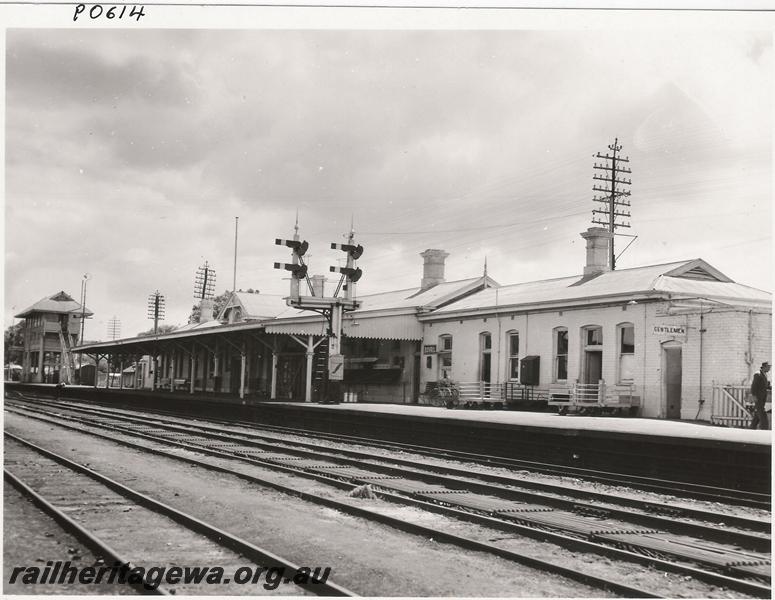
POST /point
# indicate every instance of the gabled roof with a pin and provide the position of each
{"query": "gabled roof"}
(387, 315)
(409, 299)
(254, 306)
(61, 302)
(692, 278)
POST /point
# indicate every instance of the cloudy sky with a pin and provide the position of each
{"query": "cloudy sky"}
(130, 152)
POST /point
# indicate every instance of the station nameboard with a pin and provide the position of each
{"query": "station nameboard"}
(429, 349)
(669, 330)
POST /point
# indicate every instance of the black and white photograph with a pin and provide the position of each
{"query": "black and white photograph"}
(446, 301)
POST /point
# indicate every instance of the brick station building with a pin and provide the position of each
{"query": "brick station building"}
(681, 338)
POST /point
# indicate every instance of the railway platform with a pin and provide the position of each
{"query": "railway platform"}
(694, 453)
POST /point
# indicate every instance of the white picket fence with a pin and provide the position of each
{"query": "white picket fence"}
(729, 405)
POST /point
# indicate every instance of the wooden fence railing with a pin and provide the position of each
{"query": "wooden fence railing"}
(729, 405)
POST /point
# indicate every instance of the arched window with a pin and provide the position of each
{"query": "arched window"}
(560, 344)
(513, 358)
(625, 336)
(445, 357)
(485, 362)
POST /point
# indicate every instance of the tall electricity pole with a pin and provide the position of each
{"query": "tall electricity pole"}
(612, 195)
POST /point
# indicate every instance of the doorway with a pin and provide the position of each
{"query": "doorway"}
(593, 366)
(485, 363)
(673, 375)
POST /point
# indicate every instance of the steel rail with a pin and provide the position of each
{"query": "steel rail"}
(751, 587)
(221, 537)
(86, 537)
(461, 477)
(396, 523)
(695, 491)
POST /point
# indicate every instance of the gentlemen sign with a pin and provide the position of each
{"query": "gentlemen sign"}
(669, 330)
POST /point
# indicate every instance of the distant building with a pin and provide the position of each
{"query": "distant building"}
(51, 327)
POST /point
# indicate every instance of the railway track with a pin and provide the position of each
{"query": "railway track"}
(653, 514)
(132, 531)
(618, 588)
(659, 486)
(584, 527)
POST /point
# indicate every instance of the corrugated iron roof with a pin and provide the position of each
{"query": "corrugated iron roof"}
(381, 327)
(255, 305)
(648, 279)
(60, 302)
(374, 318)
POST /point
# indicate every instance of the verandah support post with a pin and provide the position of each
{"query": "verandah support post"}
(216, 369)
(309, 354)
(192, 370)
(242, 372)
(273, 394)
(172, 370)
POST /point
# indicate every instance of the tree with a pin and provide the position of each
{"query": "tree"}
(13, 343)
(162, 329)
(218, 303)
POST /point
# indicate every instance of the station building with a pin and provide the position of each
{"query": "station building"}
(682, 338)
(668, 334)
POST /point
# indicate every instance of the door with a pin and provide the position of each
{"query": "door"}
(593, 366)
(291, 377)
(672, 379)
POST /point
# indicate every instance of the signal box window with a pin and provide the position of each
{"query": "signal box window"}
(445, 357)
(560, 354)
(514, 356)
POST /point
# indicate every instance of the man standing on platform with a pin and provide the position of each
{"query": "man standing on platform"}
(759, 389)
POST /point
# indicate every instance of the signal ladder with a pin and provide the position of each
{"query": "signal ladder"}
(320, 370)
(68, 362)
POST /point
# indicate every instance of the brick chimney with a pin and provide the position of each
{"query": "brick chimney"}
(433, 268)
(598, 251)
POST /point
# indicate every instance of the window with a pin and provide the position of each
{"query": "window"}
(560, 354)
(513, 355)
(594, 336)
(445, 357)
(485, 363)
(626, 335)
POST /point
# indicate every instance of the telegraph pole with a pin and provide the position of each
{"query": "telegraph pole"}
(204, 282)
(236, 232)
(114, 328)
(612, 195)
(156, 309)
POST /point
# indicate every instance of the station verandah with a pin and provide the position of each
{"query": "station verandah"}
(247, 362)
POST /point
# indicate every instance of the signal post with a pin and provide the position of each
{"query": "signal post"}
(331, 307)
